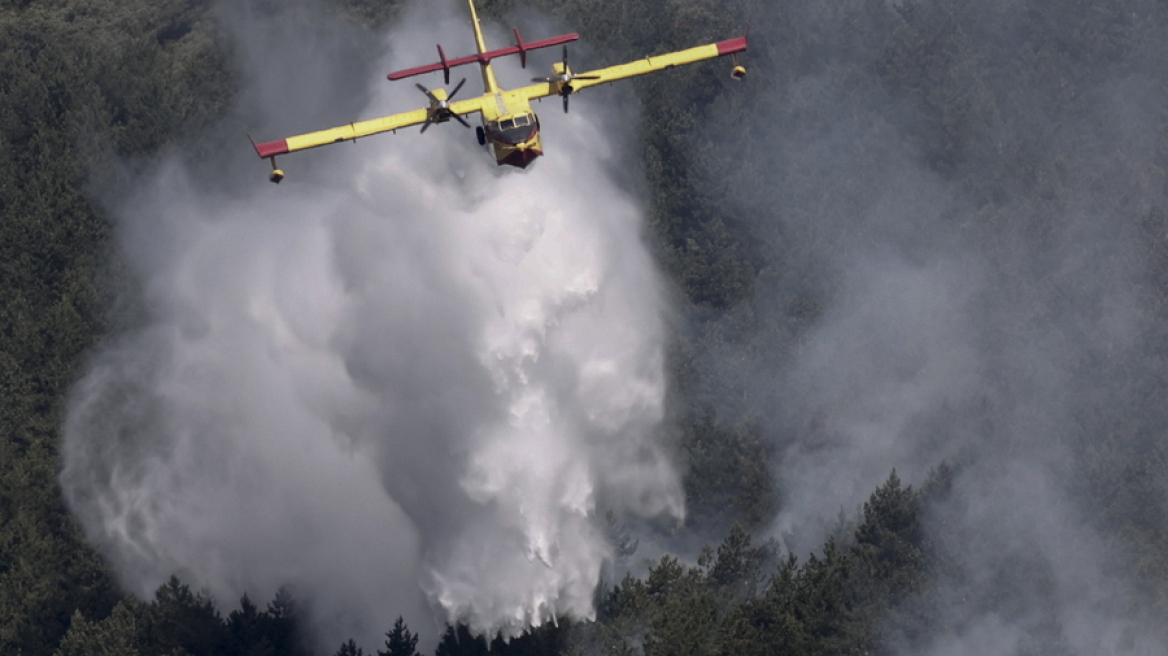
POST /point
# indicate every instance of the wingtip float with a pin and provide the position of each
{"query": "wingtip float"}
(268, 151)
(509, 127)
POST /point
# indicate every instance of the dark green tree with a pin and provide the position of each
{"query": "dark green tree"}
(282, 624)
(350, 648)
(252, 632)
(116, 635)
(458, 641)
(179, 619)
(274, 631)
(768, 623)
(888, 542)
(400, 641)
(824, 607)
(735, 569)
(545, 640)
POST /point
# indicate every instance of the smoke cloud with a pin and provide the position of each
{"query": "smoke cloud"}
(403, 382)
(990, 309)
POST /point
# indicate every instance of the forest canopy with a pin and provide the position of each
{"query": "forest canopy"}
(917, 371)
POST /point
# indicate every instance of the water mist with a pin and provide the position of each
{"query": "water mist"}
(403, 382)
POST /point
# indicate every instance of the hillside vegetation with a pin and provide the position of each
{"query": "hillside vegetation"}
(1004, 115)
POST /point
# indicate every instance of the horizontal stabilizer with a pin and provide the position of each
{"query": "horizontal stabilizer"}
(520, 48)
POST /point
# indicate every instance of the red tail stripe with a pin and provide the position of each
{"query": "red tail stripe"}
(484, 58)
(522, 47)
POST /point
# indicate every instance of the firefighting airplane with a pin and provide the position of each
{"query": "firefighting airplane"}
(508, 123)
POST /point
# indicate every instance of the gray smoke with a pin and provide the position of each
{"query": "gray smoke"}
(403, 382)
(1012, 335)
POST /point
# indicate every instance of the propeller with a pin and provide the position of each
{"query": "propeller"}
(564, 79)
(440, 111)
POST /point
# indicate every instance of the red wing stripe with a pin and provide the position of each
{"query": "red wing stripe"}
(272, 148)
(732, 46)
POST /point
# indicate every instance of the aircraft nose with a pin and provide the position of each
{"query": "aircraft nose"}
(523, 155)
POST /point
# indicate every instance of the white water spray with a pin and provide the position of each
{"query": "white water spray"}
(405, 385)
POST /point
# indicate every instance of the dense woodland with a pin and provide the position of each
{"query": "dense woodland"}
(996, 103)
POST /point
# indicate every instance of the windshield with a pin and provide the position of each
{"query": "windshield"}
(514, 129)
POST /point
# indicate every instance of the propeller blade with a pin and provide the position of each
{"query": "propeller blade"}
(440, 111)
(565, 56)
(566, 103)
(451, 94)
(585, 77)
(549, 80)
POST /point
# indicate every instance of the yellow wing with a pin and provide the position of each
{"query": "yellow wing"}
(365, 128)
(579, 81)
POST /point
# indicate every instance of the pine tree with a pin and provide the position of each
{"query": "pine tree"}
(888, 543)
(116, 635)
(459, 642)
(282, 624)
(181, 619)
(399, 641)
(350, 648)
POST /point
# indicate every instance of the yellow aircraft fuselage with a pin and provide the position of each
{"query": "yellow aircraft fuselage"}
(512, 131)
(509, 126)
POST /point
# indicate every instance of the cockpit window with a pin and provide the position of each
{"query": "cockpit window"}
(513, 130)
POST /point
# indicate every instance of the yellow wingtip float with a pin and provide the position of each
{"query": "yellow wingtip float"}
(509, 126)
